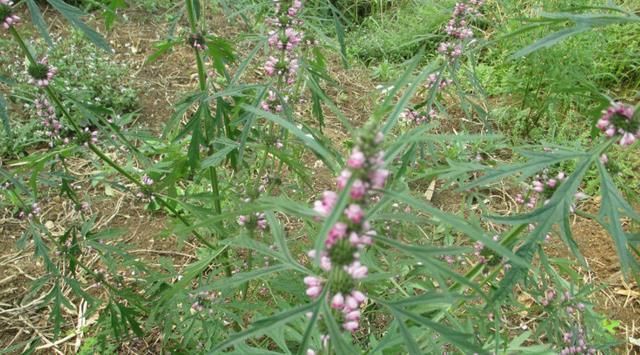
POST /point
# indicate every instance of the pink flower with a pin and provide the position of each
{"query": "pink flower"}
(273, 38)
(538, 186)
(627, 139)
(9, 19)
(358, 190)
(351, 326)
(312, 281)
(325, 263)
(337, 232)
(353, 316)
(351, 303)
(358, 296)
(604, 159)
(378, 178)
(354, 213)
(354, 239)
(270, 66)
(357, 270)
(337, 302)
(314, 291)
(325, 206)
(343, 179)
(356, 160)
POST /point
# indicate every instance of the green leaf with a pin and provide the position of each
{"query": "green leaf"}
(180, 109)
(461, 225)
(7, 80)
(246, 242)
(262, 326)
(302, 350)
(308, 140)
(567, 237)
(277, 231)
(423, 250)
(221, 52)
(4, 115)
(128, 317)
(241, 278)
(401, 105)
(550, 40)
(110, 12)
(431, 297)
(459, 339)
(161, 48)
(341, 37)
(36, 17)
(582, 23)
(191, 272)
(611, 208)
(539, 161)
(320, 96)
(412, 346)
(218, 157)
(73, 14)
(245, 63)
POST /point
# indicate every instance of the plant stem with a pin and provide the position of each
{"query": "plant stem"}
(213, 174)
(26, 51)
(249, 266)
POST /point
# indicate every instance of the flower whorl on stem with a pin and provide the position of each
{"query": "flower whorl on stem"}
(340, 257)
(285, 37)
(619, 120)
(41, 73)
(7, 18)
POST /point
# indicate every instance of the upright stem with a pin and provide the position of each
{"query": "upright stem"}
(249, 266)
(213, 174)
(26, 51)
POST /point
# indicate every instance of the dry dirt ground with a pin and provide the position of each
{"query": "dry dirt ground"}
(161, 84)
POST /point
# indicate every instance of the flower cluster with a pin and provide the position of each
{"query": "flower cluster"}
(450, 50)
(283, 63)
(340, 257)
(458, 28)
(272, 103)
(146, 180)
(50, 122)
(458, 35)
(619, 120)
(253, 221)
(197, 41)
(418, 117)
(201, 299)
(433, 78)
(41, 73)
(544, 186)
(90, 136)
(7, 18)
(575, 343)
(32, 211)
